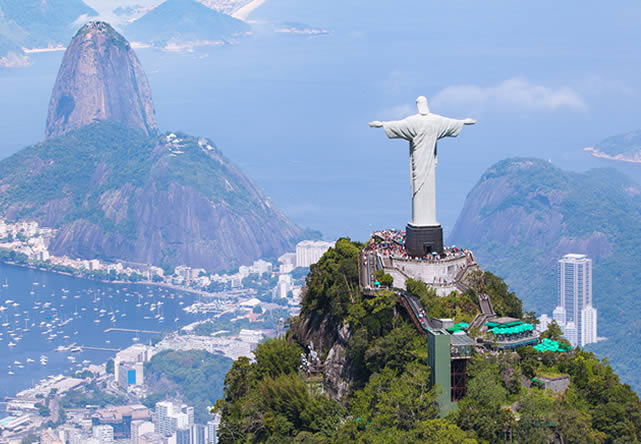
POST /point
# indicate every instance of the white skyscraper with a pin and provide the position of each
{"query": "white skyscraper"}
(544, 322)
(588, 322)
(558, 315)
(212, 429)
(571, 333)
(309, 252)
(574, 312)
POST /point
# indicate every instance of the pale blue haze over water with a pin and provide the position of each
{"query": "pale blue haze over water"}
(292, 110)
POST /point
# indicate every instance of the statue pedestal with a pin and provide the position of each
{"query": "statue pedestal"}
(420, 241)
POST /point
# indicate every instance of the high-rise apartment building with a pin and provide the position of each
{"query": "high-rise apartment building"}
(139, 428)
(574, 313)
(212, 429)
(309, 252)
(183, 436)
(170, 418)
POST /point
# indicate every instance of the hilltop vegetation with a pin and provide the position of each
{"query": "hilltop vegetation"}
(116, 194)
(389, 399)
(524, 214)
(196, 376)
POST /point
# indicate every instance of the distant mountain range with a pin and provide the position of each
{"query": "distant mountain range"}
(625, 147)
(184, 22)
(42, 23)
(116, 188)
(36, 24)
(524, 214)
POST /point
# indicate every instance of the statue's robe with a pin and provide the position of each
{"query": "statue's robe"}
(423, 131)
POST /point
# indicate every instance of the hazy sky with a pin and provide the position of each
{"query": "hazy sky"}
(543, 79)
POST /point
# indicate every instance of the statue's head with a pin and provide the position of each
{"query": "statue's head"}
(421, 105)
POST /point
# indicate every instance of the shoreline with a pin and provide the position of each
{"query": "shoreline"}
(244, 12)
(39, 50)
(620, 157)
(87, 278)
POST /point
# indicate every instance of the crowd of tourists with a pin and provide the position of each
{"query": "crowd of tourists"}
(392, 243)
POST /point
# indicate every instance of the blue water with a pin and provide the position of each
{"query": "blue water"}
(81, 310)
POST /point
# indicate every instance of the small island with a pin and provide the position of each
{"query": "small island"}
(623, 147)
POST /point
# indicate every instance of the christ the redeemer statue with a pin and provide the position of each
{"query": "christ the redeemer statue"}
(423, 130)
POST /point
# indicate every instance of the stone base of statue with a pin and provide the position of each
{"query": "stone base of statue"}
(420, 241)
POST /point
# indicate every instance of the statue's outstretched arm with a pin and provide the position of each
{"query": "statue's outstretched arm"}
(469, 121)
(376, 124)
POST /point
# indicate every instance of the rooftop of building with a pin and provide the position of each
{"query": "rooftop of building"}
(457, 339)
(575, 256)
(116, 414)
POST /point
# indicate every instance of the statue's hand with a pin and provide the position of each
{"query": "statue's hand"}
(469, 121)
(376, 124)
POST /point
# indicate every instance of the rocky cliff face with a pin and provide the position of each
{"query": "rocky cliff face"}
(322, 334)
(524, 201)
(524, 214)
(115, 189)
(100, 79)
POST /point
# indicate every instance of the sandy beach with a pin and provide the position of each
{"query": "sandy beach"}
(596, 153)
(37, 50)
(244, 12)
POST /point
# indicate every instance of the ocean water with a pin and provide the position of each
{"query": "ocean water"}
(47, 311)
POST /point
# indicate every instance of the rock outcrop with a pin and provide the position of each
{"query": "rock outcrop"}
(100, 79)
(524, 214)
(330, 340)
(115, 189)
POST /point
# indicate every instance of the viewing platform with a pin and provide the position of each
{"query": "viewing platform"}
(444, 272)
(504, 333)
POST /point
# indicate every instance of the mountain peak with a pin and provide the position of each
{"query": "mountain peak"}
(100, 78)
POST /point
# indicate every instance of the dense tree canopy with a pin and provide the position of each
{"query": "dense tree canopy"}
(390, 398)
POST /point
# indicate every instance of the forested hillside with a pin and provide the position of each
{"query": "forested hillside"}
(525, 214)
(367, 344)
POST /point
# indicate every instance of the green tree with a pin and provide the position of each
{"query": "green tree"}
(277, 356)
(332, 282)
